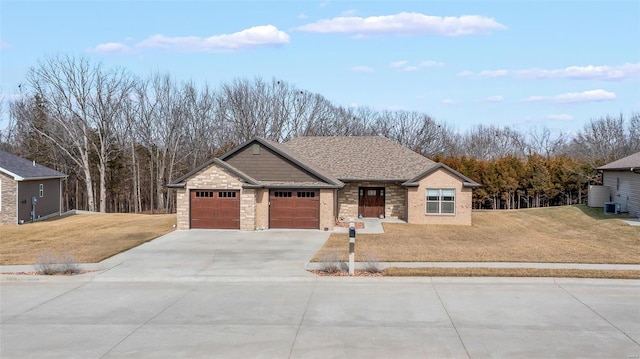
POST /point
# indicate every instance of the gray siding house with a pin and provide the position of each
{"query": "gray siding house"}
(28, 191)
(622, 177)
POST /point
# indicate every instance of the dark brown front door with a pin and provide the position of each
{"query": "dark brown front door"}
(215, 209)
(371, 202)
(294, 209)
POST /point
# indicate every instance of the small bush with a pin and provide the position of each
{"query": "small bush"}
(46, 264)
(371, 264)
(68, 265)
(50, 264)
(330, 263)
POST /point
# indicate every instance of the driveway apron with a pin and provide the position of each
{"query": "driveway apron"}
(199, 255)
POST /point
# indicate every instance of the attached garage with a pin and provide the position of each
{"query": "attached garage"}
(294, 208)
(215, 209)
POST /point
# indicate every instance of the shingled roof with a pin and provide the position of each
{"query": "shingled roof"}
(625, 163)
(21, 169)
(360, 158)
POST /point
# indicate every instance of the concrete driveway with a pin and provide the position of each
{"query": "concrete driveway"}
(225, 294)
(198, 255)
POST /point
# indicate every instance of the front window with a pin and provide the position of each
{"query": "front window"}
(441, 201)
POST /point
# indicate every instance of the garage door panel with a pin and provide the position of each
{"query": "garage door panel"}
(294, 209)
(215, 209)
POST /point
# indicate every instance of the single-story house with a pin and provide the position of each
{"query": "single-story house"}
(28, 191)
(622, 177)
(314, 182)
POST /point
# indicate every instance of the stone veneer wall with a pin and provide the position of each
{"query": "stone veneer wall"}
(262, 208)
(394, 201)
(327, 209)
(440, 179)
(214, 177)
(8, 192)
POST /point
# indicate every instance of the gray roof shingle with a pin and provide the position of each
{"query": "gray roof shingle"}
(632, 161)
(22, 169)
(360, 157)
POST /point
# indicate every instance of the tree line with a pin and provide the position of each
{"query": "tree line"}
(122, 138)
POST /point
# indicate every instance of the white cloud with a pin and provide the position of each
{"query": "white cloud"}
(448, 101)
(258, 36)
(605, 72)
(4, 44)
(302, 16)
(575, 97)
(498, 98)
(405, 23)
(590, 72)
(361, 69)
(560, 117)
(405, 67)
(399, 63)
(112, 48)
(484, 74)
(350, 12)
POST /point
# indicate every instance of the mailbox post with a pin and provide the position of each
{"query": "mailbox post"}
(352, 247)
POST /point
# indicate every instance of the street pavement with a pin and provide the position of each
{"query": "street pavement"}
(230, 294)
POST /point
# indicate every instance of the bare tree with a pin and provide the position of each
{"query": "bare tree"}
(543, 142)
(491, 142)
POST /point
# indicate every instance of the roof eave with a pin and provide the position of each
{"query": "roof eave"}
(390, 180)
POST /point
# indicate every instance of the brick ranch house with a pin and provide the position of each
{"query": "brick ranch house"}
(23, 181)
(313, 182)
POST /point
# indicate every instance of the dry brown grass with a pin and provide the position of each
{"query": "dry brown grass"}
(511, 272)
(573, 234)
(90, 238)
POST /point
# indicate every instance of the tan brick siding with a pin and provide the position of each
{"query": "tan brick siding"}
(248, 209)
(327, 209)
(262, 208)
(8, 192)
(440, 179)
(394, 201)
(214, 177)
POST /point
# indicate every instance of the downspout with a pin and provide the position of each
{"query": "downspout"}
(60, 197)
(17, 217)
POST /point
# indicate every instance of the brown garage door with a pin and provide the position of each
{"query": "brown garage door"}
(215, 209)
(294, 209)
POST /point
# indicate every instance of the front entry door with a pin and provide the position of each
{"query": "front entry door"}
(371, 202)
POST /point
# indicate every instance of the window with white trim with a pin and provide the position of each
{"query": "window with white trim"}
(41, 190)
(441, 201)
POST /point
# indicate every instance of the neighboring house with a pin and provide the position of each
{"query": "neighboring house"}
(622, 177)
(313, 182)
(28, 190)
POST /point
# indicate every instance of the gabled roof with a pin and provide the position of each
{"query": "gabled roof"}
(330, 181)
(180, 182)
(466, 181)
(360, 158)
(21, 169)
(339, 159)
(625, 163)
(292, 156)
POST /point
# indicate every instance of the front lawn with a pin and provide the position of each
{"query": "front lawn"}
(89, 238)
(572, 234)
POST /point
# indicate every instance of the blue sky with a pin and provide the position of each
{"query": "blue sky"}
(508, 63)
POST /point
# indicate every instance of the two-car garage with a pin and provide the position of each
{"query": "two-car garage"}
(288, 208)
